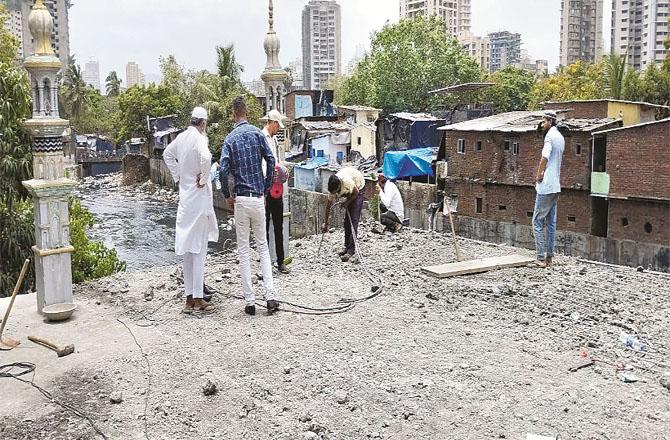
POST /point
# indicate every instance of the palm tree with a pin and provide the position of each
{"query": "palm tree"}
(228, 68)
(113, 83)
(615, 66)
(75, 92)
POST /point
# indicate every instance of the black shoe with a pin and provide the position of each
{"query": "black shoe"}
(346, 257)
(283, 269)
(208, 290)
(250, 310)
(342, 252)
(207, 298)
(273, 306)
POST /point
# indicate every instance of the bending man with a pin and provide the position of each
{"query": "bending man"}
(348, 183)
(189, 159)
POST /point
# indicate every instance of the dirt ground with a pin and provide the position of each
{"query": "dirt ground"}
(475, 357)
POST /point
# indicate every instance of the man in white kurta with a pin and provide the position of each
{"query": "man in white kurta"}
(189, 160)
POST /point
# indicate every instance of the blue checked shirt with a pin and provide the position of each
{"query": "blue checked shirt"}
(241, 155)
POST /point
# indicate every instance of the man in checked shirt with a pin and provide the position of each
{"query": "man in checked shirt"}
(241, 155)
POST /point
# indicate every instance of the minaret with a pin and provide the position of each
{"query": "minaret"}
(273, 76)
(49, 185)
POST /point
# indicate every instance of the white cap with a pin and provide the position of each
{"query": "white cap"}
(199, 113)
(274, 115)
(550, 114)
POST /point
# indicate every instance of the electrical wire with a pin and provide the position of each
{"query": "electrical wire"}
(29, 367)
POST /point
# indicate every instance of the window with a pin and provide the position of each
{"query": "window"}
(648, 228)
(507, 145)
(478, 205)
(502, 208)
(572, 219)
(529, 214)
(478, 146)
(360, 140)
(515, 148)
(624, 222)
(461, 146)
(578, 149)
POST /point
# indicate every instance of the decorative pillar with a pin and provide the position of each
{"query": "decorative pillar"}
(273, 76)
(49, 187)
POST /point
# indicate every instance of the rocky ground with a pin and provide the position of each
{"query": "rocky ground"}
(473, 357)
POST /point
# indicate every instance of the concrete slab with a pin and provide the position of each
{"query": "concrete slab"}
(477, 266)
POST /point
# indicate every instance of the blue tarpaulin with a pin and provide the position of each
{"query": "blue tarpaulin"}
(408, 163)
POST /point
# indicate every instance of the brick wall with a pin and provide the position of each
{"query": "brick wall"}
(638, 161)
(597, 109)
(515, 204)
(628, 218)
(494, 163)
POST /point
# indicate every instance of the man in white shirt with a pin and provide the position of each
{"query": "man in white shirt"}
(348, 183)
(390, 204)
(189, 159)
(548, 187)
(274, 199)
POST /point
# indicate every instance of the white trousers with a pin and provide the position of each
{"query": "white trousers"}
(194, 270)
(250, 215)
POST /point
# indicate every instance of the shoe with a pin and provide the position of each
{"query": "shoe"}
(346, 257)
(273, 306)
(208, 290)
(250, 310)
(283, 269)
(342, 252)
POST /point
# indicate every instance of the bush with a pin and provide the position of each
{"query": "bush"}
(91, 260)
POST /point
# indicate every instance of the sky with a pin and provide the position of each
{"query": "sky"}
(115, 32)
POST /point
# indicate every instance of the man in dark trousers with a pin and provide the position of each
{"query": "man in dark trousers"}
(348, 183)
(274, 199)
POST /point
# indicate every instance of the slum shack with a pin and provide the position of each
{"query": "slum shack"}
(163, 130)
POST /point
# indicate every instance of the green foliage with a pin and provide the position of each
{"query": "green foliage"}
(113, 84)
(90, 260)
(218, 133)
(99, 118)
(228, 69)
(511, 91)
(76, 97)
(615, 72)
(9, 45)
(138, 102)
(579, 80)
(406, 61)
(16, 224)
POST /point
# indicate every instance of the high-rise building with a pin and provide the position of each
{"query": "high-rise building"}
(581, 31)
(639, 28)
(295, 67)
(321, 43)
(60, 33)
(505, 49)
(91, 74)
(478, 48)
(15, 26)
(456, 13)
(536, 67)
(355, 60)
(134, 76)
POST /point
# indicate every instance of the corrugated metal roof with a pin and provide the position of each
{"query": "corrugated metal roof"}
(359, 108)
(416, 116)
(460, 88)
(642, 124)
(324, 125)
(524, 121)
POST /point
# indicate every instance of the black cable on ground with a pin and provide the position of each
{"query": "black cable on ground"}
(146, 360)
(29, 367)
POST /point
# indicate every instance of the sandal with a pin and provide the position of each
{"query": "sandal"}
(201, 306)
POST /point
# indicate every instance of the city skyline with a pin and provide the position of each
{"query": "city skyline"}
(540, 29)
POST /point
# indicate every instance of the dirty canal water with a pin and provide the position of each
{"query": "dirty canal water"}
(139, 221)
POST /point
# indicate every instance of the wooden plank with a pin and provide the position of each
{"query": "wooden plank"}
(477, 266)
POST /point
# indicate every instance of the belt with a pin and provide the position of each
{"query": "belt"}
(249, 194)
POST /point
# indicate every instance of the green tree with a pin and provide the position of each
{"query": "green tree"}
(579, 80)
(113, 84)
(8, 43)
(16, 216)
(633, 87)
(228, 69)
(511, 90)
(76, 94)
(136, 103)
(615, 73)
(656, 84)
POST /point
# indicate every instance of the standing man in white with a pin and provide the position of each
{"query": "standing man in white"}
(548, 187)
(189, 160)
(242, 154)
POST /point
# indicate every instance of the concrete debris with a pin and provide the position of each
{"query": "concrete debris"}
(209, 389)
(116, 397)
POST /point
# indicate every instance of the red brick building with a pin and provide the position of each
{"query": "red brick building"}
(630, 112)
(631, 181)
(492, 163)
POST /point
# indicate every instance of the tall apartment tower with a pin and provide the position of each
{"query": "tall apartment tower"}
(91, 74)
(581, 31)
(134, 76)
(456, 13)
(505, 49)
(321, 43)
(60, 33)
(639, 28)
(478, 48)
